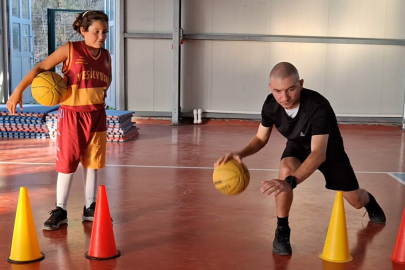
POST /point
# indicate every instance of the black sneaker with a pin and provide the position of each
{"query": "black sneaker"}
(281, 243)
(376, 214)
(88, 213)
(57, 218)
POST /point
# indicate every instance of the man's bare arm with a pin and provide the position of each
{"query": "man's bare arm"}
(319, 145)
(256, 143)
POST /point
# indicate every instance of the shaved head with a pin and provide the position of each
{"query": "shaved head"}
(285, 85)
(284, 70)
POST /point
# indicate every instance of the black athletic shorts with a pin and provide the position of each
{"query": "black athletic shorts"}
(337, 170)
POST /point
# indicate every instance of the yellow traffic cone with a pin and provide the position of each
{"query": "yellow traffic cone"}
(336, 247)
(25, 247)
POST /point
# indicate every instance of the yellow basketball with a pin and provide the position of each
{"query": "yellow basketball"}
(48, 88)
(231, 178)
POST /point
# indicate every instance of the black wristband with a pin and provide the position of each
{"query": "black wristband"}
(292, 181)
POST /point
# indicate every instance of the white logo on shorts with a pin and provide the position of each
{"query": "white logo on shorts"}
(302, 134)
(60, 113)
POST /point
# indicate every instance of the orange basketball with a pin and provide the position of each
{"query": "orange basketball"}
(48, 88)
(231, 178)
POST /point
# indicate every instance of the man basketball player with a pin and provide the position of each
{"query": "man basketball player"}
(314, 142)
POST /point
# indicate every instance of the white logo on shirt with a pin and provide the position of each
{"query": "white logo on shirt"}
(302, 134)
(60, 113)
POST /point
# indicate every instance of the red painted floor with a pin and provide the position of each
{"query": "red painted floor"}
(168, 215)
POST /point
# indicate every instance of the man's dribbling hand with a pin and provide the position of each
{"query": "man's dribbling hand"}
(276, 185)
(226, 158)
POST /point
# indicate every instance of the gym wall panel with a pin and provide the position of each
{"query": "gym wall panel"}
(300, 18)
(357, 79)
(395, 21)
(139, 16)
(393, 80)
(163, 16)
(338, 18)
(241, 16)
(354, 78)
(214, 72)
(197, 17)
(148, 75)
(359, 18)
(196, 82)
(239, 75)
(151, 16)
(139, 74)
(162, 85)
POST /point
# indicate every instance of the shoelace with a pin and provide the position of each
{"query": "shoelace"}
(372, 214)
(54, 214)
(282, 236)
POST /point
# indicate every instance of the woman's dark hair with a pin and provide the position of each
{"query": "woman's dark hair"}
(86, 18)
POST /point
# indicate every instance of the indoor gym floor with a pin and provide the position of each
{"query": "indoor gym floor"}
(168, 215)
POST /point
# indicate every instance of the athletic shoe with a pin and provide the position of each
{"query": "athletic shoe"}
(376, 214)
(88, 213)
(281, 243)
(57, 218)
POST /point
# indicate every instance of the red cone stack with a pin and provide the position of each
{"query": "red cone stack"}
(399, 250)
(102, 241)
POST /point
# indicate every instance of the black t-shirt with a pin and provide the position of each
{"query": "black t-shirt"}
(315, 117)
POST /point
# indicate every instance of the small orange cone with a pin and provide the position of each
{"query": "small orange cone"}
(25, 246)
(102, 241)
(336, 247)
(399, 250)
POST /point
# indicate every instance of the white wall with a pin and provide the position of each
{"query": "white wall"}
(148, 62)
(148, 75)
(233, 75)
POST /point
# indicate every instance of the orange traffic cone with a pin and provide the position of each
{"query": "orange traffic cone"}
(25, 246)
(102, 241)
(399, 250)
(336, 247)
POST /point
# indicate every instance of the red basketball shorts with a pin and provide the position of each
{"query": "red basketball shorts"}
(81, 137)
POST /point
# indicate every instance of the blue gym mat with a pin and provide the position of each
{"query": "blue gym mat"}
(31, 108)
(118, 114)
(109, 113)
(37, 121)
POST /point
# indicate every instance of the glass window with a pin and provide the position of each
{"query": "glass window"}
(16, 37)
(16, 8)
(25, 41)
(112, 8)
(25, 13)
(111, 38)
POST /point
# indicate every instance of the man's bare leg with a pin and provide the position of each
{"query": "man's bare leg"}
(281, 244)
(361, 198)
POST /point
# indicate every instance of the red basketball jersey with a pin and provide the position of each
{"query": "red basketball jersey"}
(87, 76)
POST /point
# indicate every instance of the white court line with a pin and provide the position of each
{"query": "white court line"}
(26, 163)
(185, 167)
(397, 178)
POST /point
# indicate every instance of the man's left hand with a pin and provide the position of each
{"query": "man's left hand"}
(276, 185)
